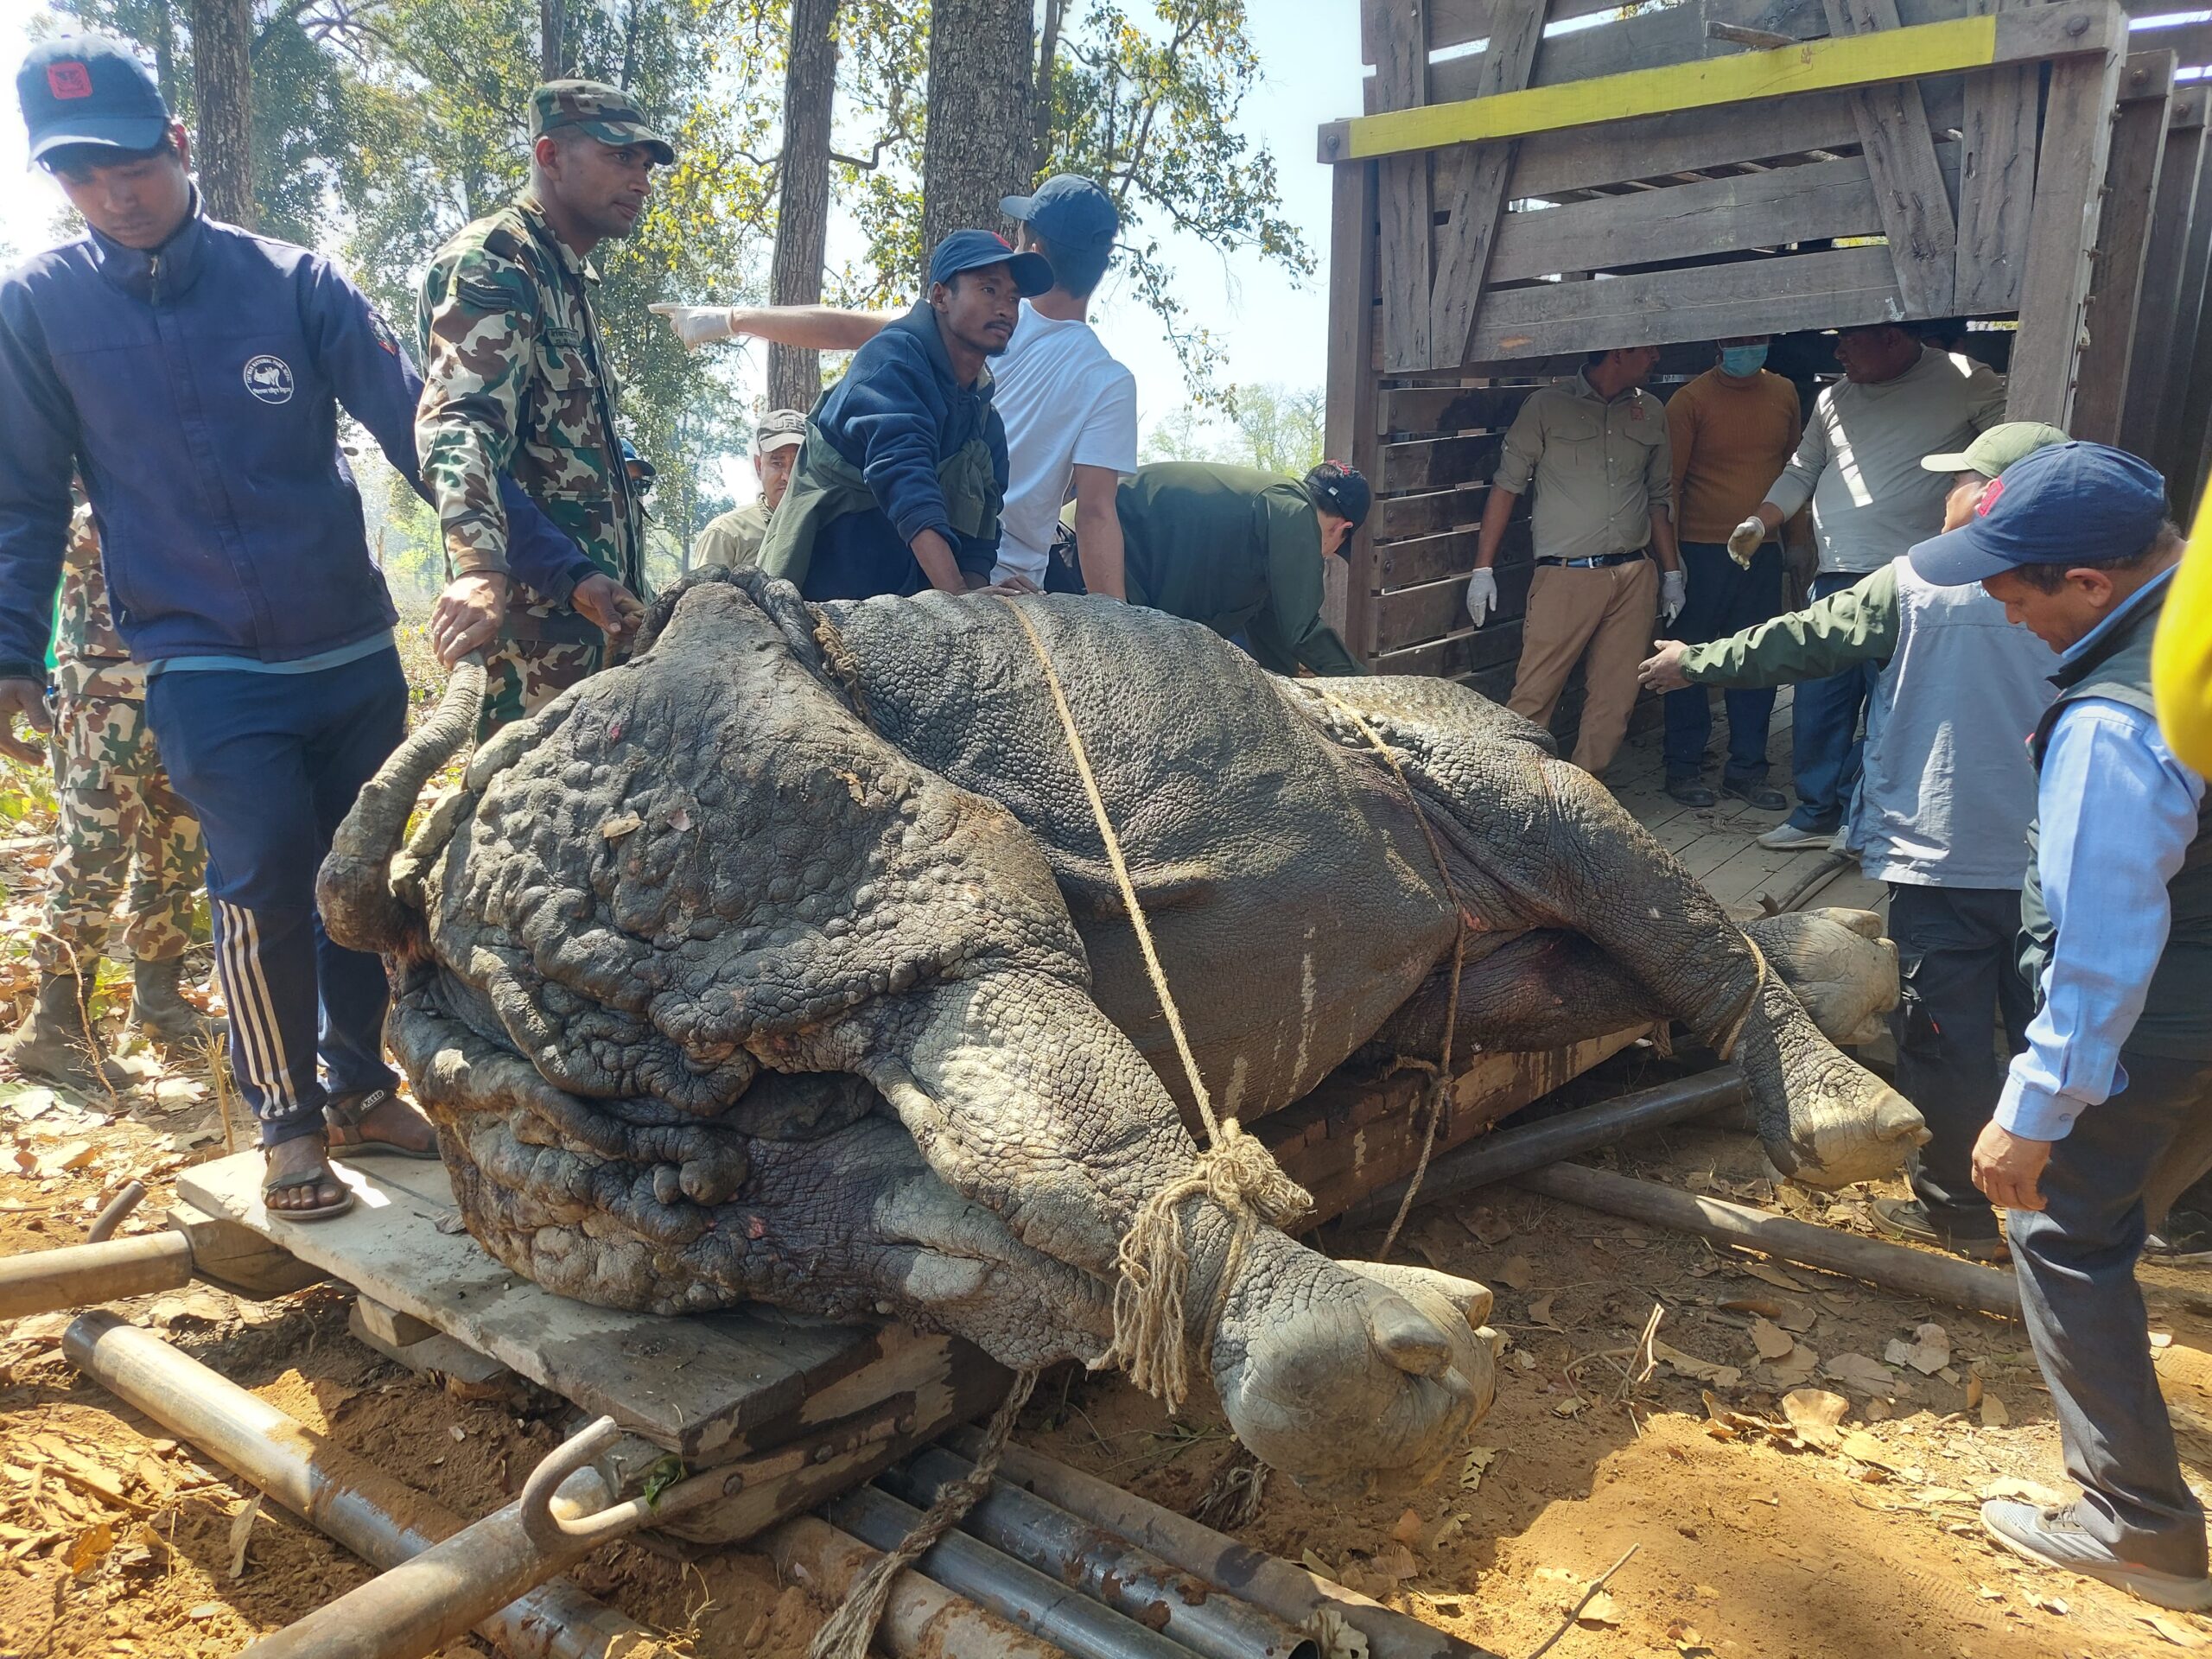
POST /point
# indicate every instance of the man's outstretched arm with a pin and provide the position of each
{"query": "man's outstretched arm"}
(810, 327)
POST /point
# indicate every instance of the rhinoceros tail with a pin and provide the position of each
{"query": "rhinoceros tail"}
(359, 909)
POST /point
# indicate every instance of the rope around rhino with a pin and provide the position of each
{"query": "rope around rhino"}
(1233, 1169)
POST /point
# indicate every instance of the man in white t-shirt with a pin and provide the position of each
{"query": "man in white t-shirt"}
(1070, 409)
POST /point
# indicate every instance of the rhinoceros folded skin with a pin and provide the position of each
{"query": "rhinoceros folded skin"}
(783, 962)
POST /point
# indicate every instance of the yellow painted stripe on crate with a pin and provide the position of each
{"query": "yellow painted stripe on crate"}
(1817, 66)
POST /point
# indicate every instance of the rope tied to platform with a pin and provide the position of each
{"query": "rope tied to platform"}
(1233, 1169)
(1440, 1084)
(846, 1632)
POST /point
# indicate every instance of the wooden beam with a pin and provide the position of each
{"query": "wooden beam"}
(2093, 27)
(1439, 463)
(1997, 183)
(1408, 213)
(2138, 148)
(1900, 153)
(1349, 418)
(1470, 185)
(2159, 342)
(2183, 406)
(2069, 185)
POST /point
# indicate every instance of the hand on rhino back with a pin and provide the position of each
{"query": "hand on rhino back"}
(785, 963)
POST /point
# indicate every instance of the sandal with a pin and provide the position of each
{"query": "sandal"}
(346, 1116)
(306, 1177)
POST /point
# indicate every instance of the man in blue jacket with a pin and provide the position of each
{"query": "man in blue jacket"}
(898, 484)
(192, 373)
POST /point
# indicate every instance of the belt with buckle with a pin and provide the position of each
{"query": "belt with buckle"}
(1597, 562)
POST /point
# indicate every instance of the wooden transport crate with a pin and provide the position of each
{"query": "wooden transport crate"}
(1536, 179)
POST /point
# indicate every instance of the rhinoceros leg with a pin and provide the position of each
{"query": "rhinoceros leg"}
(1534, 842)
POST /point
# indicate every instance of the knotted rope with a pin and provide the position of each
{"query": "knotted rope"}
(846, 1632)
(1726, 1048)
(1233, 1169)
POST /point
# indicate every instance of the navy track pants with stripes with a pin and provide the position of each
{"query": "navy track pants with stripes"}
(271, 763)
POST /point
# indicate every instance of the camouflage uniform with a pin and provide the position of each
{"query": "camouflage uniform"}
(516, 379)
(120, 822)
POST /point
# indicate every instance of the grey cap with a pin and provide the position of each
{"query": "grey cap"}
(779, 429)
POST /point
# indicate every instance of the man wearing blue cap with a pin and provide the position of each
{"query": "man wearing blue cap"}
(1069, 409)
(2117, 924)
(898, 484)
(194, 373)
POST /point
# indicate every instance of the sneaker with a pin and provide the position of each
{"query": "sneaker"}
(2053, 1537)
(2184, 1242)
(1757, 794)
(1691, 790)
(1790, 835)
(1908, 1218)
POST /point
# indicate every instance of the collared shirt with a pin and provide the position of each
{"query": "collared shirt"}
(1598, 467)
(733, 539)
(2117, 813)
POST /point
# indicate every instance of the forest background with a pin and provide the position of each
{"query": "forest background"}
(822, 144)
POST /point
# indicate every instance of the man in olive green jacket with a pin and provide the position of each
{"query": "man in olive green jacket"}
(1241, 550)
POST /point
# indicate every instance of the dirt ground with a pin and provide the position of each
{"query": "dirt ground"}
(1736, 1531)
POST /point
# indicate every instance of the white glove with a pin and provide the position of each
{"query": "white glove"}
(1674, 594)
(696, 325)
(1482, 596)
(1744, 539)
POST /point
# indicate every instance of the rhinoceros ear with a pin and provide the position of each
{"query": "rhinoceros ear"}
(1419, 1285)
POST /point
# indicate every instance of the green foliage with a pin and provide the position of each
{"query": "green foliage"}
(1275, 428)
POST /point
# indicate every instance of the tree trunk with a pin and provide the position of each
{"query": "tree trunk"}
(552, 21)
(976, 147)
(803, 199)
(1048, 49)
(222, 89)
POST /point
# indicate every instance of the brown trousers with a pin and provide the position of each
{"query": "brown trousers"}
(1606, 612)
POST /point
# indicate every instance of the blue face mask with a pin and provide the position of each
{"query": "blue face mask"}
(1740, 360)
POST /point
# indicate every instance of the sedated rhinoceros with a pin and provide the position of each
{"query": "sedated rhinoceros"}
(784, 963)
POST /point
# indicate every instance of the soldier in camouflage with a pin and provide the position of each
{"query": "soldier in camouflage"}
(516, 379)
(122, 833)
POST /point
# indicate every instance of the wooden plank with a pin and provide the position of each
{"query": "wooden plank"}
(2190, 382)
(696, 1385)
(1471, 182)
(1439, 463)
(1900, 152)
(2153, 354)
(2055, 286)
(1496, 645)
(1835, 289)
(2139, 148)
(1409, 409)
(1413, 616)
(1408, 206)
(1349, 406)
(1953, 46)
(1397, 517)
(1750, 210)
(1432, 558)
(2190, 43)
(1996, 180)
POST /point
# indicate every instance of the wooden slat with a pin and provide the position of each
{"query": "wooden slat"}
(1349, 418)
(1471, 184)
(1407, 207)
(1948, 47)
(1996, 181)
(1495, 649)
(2069, 180)
(1414, 616)
(1396, 517)
(1451, 409)
(2189, 42)
(1830, 290)
(2153, 354)
(2138, 148)
(1750, 210)
(1900, 152)
(1438, 463)
(1433, 558)
(2182, 409)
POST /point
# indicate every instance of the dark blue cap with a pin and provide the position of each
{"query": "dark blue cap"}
(89, 89)
(2067, 504)
(1071, 211)
(973, 250)
(1335, 487)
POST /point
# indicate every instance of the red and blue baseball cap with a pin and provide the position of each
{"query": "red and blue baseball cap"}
(974, 250)
(2067, 503)
(89, 89)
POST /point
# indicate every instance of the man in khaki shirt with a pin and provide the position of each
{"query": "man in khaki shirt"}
(1595, 448)
(735, 538)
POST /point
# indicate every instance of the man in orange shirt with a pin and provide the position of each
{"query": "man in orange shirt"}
(1731, 431)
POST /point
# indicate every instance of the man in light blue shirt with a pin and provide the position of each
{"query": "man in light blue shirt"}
(2117, 940)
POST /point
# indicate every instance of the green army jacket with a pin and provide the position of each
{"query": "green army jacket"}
(516, 378)
(1859, 624)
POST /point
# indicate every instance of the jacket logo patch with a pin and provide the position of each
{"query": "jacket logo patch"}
(269, 378)
(68, 81)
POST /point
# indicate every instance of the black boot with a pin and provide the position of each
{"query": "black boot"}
(158, 1007)
(53, 1045)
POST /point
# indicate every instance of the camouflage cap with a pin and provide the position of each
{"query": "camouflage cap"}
(603, 112)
